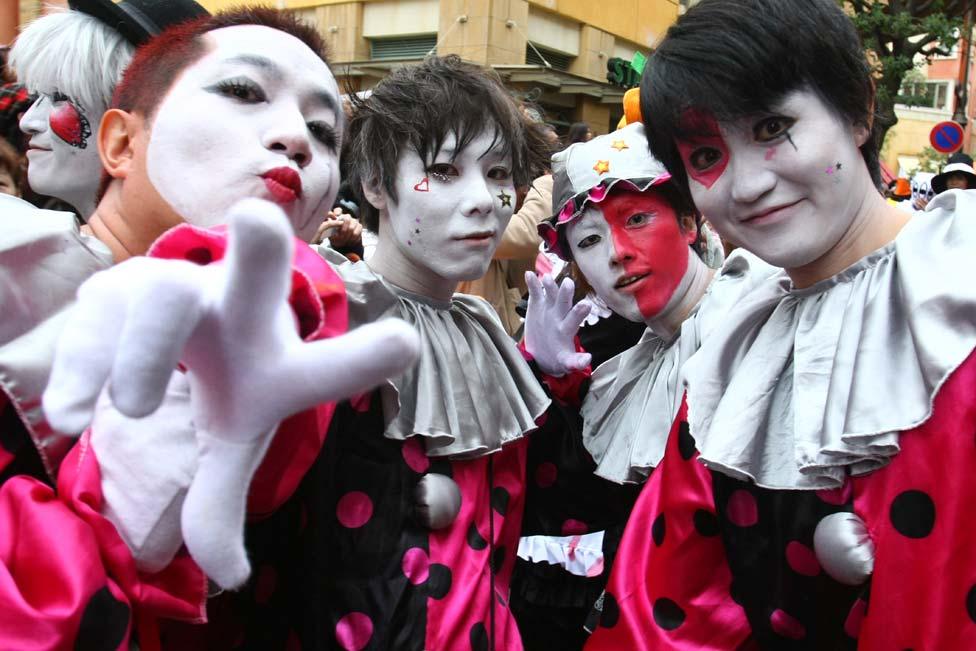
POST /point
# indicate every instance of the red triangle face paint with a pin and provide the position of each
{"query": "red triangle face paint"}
(69, 124)
(423, 186)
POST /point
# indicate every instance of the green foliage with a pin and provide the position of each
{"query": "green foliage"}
(931, 161)
(900, 35)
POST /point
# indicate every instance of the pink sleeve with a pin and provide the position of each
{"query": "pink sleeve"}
(670, 583)
(568, 389)
(67, 580)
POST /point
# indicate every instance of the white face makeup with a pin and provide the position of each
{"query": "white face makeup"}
(786, 186)
(633, 253)
(597, 260)
(63, 160)
(450, 215)
(257, 116)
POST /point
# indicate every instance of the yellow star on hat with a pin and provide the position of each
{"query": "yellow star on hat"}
(602, 167)
(619, 145)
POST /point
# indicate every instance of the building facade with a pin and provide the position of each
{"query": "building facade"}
(555, 53)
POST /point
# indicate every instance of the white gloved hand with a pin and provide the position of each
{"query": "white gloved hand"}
(231, 325)
(551, 323)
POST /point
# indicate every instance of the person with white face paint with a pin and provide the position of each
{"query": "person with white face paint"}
(640, 246)
(151, 501)
(73, 59)
(824, 465)
(402, 532)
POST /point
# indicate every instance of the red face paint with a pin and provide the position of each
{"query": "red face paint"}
(704, 153)
(648, 242)
(423, 186)
(69, 124)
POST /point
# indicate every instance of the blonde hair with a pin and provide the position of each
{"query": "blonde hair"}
(74, 54)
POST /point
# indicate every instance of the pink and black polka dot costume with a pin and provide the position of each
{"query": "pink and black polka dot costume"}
(348, 562)
(864, 403)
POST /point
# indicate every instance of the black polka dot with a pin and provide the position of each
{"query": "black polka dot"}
(667, 614)
(610, 614)
(199, 255)
(913, 514)
(499, 500)
(735, 591)
(658, 530)
(479, 637)
(442, 467)
(706, 523)
(971, 603)
(498, 559)
(103, 624)
(475, 541)
(438, 580)
(686, 444)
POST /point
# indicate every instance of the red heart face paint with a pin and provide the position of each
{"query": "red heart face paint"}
(632, 251)
(705, 153)
(70, 124)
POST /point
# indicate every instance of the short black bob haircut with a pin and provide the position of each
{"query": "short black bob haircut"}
(736, 58)
(416, 108)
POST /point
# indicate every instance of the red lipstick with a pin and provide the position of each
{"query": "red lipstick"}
(284, 184)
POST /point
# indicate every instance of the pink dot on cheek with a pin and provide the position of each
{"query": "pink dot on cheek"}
(742, 509)
(770, 153)
(354, 631)
(802, 559)
(354, 509)
(413, 454)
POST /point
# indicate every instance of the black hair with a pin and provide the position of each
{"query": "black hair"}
(679, 202)
(417, 107)
(577, 133)
(736, 58)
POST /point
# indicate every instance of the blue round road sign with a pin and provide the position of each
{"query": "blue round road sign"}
(946, 137)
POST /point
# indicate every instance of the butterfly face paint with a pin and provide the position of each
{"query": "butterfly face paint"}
(62, 159)
(784, 208)
(451, 231)
(632, 251)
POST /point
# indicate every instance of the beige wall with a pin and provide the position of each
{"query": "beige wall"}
(341, 25)
(493, 31)
(400, 17)
(641, 21)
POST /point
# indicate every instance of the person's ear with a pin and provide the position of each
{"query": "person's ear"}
(116, 137)
(689, 228)
(374, 194)
(862, 130)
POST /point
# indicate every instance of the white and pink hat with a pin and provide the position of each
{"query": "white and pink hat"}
(586, 172)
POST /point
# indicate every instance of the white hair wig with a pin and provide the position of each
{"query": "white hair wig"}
(72, 53)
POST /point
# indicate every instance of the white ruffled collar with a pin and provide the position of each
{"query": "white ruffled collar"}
(633, 397)
(471, 392)
(801, 387)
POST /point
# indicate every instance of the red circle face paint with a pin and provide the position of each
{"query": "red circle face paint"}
(70, 124)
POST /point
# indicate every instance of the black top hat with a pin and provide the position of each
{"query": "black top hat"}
(139, 20)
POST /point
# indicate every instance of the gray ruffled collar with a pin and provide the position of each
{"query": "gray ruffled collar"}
(44, 258)
(634, 397)
(804, 386)
(471, 392)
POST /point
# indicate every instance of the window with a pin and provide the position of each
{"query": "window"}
(926, 94)
(557, 60)
(411, 47)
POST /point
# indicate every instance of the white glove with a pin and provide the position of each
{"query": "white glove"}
(231, 325)
(551, 323)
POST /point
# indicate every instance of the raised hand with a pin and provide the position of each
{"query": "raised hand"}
(551, 323)
(231, 326)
